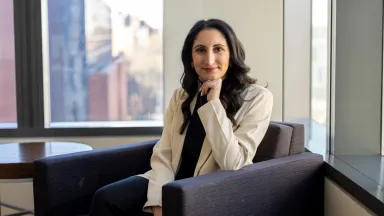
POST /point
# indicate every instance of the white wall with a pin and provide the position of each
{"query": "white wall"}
(339, 203)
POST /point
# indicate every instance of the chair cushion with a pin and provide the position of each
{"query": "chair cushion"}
(276, 142)
(298, 136)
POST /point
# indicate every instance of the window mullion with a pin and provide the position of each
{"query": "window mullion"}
(29, 63)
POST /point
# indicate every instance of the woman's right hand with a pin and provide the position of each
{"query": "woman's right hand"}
(157, 211)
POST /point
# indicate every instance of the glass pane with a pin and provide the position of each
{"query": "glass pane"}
(320, 74)
(105, 61)
(297, 63)
(8, 110)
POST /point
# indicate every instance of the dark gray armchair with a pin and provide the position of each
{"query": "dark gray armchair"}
(284, 180)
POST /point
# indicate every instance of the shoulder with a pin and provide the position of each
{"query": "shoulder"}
(258, 99)
(256, 91)
(179, 94)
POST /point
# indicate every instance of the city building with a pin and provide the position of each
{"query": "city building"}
(8, 110)
(67, 59)
(142, 46)
(107, 89)
(80, 35)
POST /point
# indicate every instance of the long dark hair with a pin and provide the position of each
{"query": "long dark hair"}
(236, 80)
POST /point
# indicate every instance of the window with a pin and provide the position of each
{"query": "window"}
(8, 110)
(306, 69)
(320, 55)
(105, 63)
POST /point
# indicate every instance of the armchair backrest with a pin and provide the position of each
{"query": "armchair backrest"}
(281, 139)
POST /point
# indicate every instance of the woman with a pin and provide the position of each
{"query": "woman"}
(214, 122)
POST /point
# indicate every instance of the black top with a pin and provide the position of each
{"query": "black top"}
(193, 143)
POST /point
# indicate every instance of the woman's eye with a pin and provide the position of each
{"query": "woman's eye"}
(200, 50)
(218, 49)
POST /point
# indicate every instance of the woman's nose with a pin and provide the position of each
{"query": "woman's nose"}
(210, 58)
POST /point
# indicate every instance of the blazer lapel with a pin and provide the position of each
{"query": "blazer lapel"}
(193, 103)
(204, 154)
(205, 150)
(178, 139)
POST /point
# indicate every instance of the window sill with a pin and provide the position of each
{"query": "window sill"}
(81, 132)
(360, 176)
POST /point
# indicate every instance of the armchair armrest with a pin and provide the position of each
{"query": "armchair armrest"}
(65, 184)
(292, 185)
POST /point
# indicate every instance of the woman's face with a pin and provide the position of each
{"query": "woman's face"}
(210, 55)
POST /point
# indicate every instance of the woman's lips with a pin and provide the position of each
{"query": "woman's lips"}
(210, 69)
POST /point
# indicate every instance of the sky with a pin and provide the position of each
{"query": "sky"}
(150, 11)
(320, 10)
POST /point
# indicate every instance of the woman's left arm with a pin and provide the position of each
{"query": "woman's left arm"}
(234, 149)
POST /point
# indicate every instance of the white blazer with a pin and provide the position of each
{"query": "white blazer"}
(225, 147)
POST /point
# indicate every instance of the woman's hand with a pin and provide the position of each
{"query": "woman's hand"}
(157, 211)
(211, 89)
